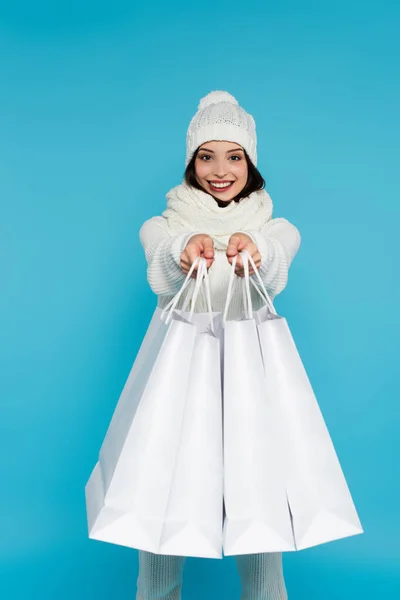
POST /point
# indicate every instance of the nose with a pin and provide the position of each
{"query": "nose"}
(220, 172)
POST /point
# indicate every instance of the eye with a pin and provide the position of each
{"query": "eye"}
(204, 156)
(236, 156)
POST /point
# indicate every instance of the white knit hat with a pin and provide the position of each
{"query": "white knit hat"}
(219, 117)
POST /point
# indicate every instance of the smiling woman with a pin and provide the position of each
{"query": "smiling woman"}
(220, 209)
(221, 168)
(224, 170)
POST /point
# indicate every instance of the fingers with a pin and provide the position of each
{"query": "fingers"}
(203, 245)
(188, 256)
(239, 269)
(207, 247)
(193, 251)
(250, 247)
(208, 250)
(233, 246)
(199, 245)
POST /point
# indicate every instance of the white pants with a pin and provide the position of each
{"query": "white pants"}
(261, 576)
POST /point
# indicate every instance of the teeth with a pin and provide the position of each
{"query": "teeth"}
(221, 185)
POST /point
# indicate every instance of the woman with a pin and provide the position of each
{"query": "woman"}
(219, 209)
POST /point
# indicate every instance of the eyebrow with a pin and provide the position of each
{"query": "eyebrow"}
(234, 150)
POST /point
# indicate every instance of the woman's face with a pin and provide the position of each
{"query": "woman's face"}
(221, 169)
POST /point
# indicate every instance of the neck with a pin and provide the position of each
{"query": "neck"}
(221, 203)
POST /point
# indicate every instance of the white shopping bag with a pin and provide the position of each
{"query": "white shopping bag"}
(194, 518)
(320, 502)
(257, 515)
(158, 483)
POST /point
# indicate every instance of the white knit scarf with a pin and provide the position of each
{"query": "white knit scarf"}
(190, 209)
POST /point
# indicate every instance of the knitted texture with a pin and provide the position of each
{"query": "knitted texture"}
(219, 117)
(188, 205)
(261, 576)
(190, 211)
(160, 576)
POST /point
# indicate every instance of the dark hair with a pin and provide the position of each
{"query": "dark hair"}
(254, 182)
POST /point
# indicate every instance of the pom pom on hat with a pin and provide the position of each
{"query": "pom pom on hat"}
(220, 117)
(216, 97)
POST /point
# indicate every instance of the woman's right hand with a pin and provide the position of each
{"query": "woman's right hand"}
(200, 244)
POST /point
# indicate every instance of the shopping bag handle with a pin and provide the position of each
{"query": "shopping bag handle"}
(206, 282)
(202, 275)
(170, 307)
(199, 280)
(191, 297)
(246, 258)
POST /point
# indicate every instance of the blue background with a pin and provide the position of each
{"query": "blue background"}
(95, 99)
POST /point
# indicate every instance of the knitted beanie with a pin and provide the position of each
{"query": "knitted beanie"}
(219, 117)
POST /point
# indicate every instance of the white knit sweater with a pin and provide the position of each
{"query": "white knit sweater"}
(190, 211)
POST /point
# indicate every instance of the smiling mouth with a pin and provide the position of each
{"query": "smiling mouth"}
(220, 186)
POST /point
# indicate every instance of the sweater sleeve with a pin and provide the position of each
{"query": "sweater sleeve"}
(163, 252)
(278, 242)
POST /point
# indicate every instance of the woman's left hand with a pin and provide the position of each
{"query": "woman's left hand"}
(238, 242)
